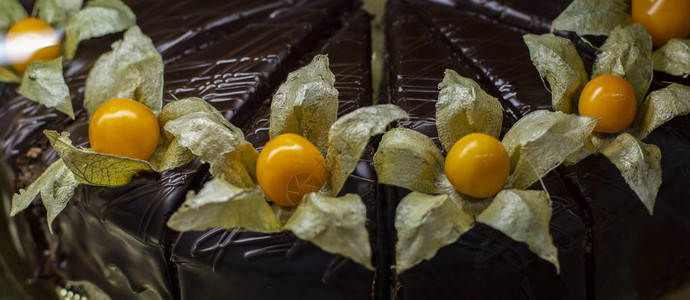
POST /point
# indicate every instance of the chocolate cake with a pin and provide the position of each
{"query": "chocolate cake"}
(234, 54)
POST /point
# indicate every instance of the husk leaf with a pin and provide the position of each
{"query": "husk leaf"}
(661, 106)
(56, 12)
(44, 83)
(56, 186)
(640, 166)
(98, 18)
(673, 58)
(336, 225)
(214, 142)
(350, 134)
(463, 108)
(541, 141)
(409, 159)
(306, 104)
(133, 70)
(426, 223)
(557, 60)
(8, 74)
(627, 53)
(524, 216)
(95, 168)
(221, 204)
(593, 17)
(11, 11)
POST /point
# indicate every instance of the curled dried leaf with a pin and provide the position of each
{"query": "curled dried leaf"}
(661, 106)
(56, 12)
(98, 18)
(541, 141)
(336, 225)
(524, 216)
(44, 83)
(216, 143)
(557, 60)
(593, 17)
(463, 108)
(306, 104)
(221, 204)
(95, 168)
(349, 136)
(673, 58)
(56, 186)
(627, 53)
(8, 74)
(409, 159)
(133, 70)
(426, 223)
(11, 11)
(640, 166)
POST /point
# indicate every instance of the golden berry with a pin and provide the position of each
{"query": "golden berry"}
(478, 165)
(663, 19)
(610, 98)
(31, 39)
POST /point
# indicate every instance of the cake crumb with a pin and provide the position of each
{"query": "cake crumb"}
(34, 152)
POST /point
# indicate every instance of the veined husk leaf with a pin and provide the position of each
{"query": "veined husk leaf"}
(56, 185)
(56, 12)
(627, 53)
(10, 12)
(409, 159)
(593, 17)
(336, 225)
(181, 107)
(524, 216)
(350, 134)
(221, 204)
(661, 106)
(640, 166)
(95, 168)
(673, 58)
(216, 143)
(426, 223)
(44, 83)
(463, 108)
(133, 70)
(98, 18)
(541, 141)
(557, 60)
(8, 74)
(306, 104)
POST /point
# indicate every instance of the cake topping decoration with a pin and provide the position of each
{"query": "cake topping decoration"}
(626, 55)
(435, 214)
(667, 21)
(304, 107)
(34, 49)
(85, 166)
(477, 155)
(612, 100)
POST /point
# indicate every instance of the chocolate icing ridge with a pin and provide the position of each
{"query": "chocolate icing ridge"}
(534, 16)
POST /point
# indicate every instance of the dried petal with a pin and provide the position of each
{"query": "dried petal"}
(349, 136)
(673, 58)
(336, 225)
(426, 223)
(306, 104)
(56, 12)
(221, 204)
(627, 53)
(640, 166)
(463, 108)
(524, 216)
(593, 17)
(44, 83)
(557, 60)
(98, 18)
(11, 11)
(661, 106)
(541, 141)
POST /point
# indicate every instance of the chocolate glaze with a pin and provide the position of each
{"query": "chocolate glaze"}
(240, 71)
(532, 15)
(477, 261)
(213, 263)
